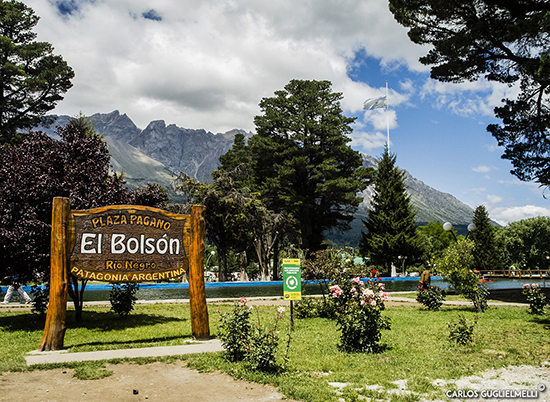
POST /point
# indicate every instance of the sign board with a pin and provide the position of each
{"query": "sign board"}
(129, 244)
(124, 243)
(292, 279)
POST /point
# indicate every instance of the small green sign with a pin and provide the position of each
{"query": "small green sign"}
(292, 279)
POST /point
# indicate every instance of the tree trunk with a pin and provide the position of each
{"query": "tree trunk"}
(54, 329)
(200, 326)
(77, 296)
(263, 262)
(477, 304)
(276, 261)
(222, 264)
(243, 263)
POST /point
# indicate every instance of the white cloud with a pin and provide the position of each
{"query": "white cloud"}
(482, 169)
(207, 64)
(494, 147)
(494, 199)
(368, 141)
(469, 98)
(504, 215)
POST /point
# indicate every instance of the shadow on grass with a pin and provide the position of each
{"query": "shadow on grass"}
(91, 320)
(513, 295)
(132, 342)
(541, 320)
(451, 309)
(22, 322)
(107, 320)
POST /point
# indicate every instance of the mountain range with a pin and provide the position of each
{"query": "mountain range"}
(155, 154)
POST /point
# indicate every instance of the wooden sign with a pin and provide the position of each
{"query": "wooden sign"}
(124, 244)
(130, 244)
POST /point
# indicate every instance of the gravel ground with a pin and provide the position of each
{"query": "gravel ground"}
(495, 385)
(522, 382)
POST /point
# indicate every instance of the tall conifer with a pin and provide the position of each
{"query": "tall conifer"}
(390, 224)
(486, 255)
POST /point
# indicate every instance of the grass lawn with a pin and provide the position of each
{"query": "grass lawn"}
(418, 349)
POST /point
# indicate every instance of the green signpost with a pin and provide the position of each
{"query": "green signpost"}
(292, 283)
(292, 279)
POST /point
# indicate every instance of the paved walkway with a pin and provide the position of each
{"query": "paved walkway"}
(62, 356)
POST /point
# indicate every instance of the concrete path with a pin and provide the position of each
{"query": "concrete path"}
(63, 356)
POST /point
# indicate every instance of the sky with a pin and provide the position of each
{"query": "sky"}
(206, 64)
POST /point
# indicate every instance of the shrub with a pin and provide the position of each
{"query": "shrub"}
(431, 297)
(462, 332)
(234, 330)
(262, 345)
(359, 307)
(457, 267)
(536, 299)
(478, 295)
(40, 299)
(306, 308)
(255, 344)
(310, 307)
(123, 298)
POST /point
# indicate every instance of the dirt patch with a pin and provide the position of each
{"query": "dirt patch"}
(132, 383)
(177, 383)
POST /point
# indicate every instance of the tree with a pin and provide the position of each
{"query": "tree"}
(40, 168)
(29, 179)
(435, 239)
(486, 255)
(456, 265)
(225, 217)
(390, 224)
(32, 78)
(301, 163)
(267, 229)
(236, 162)
(526, 243)
(503, 41)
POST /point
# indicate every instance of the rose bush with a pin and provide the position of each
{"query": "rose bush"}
(359, 307)
(254, 343)
(234, 330)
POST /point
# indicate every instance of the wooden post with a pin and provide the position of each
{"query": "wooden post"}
(197, 294)
(54, 330)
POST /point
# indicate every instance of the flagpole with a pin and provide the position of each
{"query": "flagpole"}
(387, 117)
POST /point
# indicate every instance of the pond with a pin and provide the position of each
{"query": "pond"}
(217, 290)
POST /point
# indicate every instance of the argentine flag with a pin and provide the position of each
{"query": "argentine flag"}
(376, 103)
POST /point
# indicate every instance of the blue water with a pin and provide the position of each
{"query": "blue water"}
(173, 290)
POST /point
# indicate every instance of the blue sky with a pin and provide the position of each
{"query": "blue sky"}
(446, 145)
(207, 64)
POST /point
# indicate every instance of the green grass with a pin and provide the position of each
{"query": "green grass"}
(418, 349)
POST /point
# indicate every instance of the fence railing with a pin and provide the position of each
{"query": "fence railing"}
(516, 273)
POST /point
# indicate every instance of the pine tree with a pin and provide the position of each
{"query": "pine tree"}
(235, 162)
(301, 162)
(32, 78)
(390, 224)
(486, 255)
